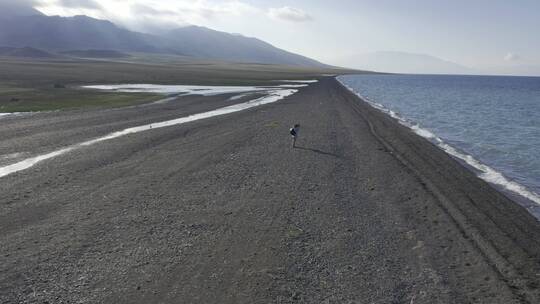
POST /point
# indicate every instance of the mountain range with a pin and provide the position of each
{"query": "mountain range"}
(403, 62)
(60, 34)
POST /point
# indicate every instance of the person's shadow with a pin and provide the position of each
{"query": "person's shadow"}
(317, 151)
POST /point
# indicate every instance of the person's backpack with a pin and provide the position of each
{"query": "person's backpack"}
(293, 132)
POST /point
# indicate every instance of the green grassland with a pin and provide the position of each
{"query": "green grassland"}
(29, 84)
(47, 99)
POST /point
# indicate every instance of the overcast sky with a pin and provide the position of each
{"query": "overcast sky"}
(480, 34)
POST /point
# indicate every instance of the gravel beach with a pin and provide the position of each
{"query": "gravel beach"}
(224, 210)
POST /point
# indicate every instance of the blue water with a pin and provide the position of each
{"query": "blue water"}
(490, 122)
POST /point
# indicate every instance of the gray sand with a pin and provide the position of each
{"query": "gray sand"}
(222, 210)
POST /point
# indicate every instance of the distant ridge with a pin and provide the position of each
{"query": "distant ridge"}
(403, 62)
(27, 52)
(95, 54)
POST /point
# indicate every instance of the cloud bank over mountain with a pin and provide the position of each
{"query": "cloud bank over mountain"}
(152, 16)
(18, 8)
(60, 34)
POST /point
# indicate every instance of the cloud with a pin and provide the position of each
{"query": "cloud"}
(144, 10)
(288, 13)
(144, 18)
(18, 7)
(137, 13)
(90, 4)
(92, 8)
(211, 10)
(512, 57)
(154, 17)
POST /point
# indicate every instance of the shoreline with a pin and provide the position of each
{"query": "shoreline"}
(468, 199)
(223, 210)
(513, 190)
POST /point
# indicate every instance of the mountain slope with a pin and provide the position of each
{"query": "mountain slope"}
(68, 33)
(57, 34)
(96, 54)
(203, 42)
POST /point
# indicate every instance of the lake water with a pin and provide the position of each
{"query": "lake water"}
(490, 122)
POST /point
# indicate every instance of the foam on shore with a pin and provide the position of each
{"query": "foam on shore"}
(485, 172)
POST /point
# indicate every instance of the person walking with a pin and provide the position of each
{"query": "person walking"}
(294, 133)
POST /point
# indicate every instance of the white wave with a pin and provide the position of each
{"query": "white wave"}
(491, 175)
(272, 96)
(485, 172)
(423, 132)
